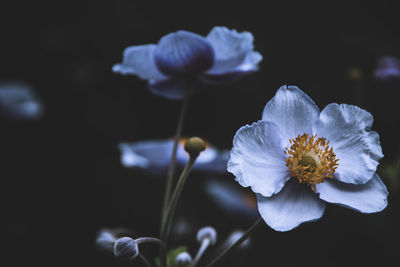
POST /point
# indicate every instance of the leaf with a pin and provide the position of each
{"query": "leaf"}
(171, 256)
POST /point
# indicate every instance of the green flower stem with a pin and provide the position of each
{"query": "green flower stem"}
(163, 247)
(171, 169)
(229, 250)
(166, 221)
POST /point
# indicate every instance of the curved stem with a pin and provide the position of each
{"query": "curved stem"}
(166, 221)
(163, 255)
(229, 250)
(171, 169)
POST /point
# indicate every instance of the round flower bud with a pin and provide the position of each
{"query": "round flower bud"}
(194, 146)
(182, 53)
(105, 240)
(207, 233)
(126, 248)
(183, 259)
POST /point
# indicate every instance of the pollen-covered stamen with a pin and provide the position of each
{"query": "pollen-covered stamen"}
(310, 159)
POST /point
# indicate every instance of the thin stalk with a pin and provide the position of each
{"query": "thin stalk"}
(204, 245)
(143, 258)
(171, 168)
(229, 250)
(163, 248)
(166, 221)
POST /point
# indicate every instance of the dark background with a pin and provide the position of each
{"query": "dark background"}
(61, 176)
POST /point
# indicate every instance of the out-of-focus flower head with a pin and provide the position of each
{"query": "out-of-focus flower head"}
(297, 158)
(184, 60)
(19, 101)
(231, 199)
(154, 157)
(388, 70)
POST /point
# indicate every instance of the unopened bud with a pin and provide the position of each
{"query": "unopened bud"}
(183, 259)
(235, 236)
(105, 240)
(126, 248)
(194, 146)
(207, 233)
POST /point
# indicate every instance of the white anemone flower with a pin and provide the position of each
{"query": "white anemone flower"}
(297, 158)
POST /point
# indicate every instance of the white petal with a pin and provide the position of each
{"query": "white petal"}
(292, 111)
(257, 159)
(295, 204)
(233, 51)
(139, 60)
(358, 150)
(366, 198)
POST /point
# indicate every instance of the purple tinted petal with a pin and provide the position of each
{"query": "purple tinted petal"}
(183, 52)
(139, 60)
(175, 88)
(233, 51)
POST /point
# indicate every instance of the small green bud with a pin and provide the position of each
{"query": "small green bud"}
(194, 146)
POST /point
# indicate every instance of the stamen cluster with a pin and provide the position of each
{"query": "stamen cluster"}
(310, 159)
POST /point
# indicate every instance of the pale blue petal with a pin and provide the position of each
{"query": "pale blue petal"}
(357, 148)
(233, 51)
(183, 52)
(139, 60)
(294, 205)
(257, 158)
(19, 101)
(292, 111)
(367, 198)
(234, 74)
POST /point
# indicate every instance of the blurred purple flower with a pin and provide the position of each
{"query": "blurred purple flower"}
(19, 101)
(154, 157)
(231, 199)
(184, 60)
(297, 158)
(388, 70)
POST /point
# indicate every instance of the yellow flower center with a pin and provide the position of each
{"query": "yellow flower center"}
(310, 159)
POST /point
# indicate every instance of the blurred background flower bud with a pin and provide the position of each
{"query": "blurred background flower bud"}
(105, 240)
(234, 236)
(388, 70)
(126, 248)
(207, 232)
(183, 259)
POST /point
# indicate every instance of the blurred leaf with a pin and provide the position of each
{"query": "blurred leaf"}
(172, 256)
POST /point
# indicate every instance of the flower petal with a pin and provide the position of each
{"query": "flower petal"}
(249, 66)
(295, 204)
(233, 51)
(175, 88)
(139, 60)
(257, 159)
(183, 52)
(367, 198)
(19, 101)
(358, 150)
(292, 111)
(154, 156)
